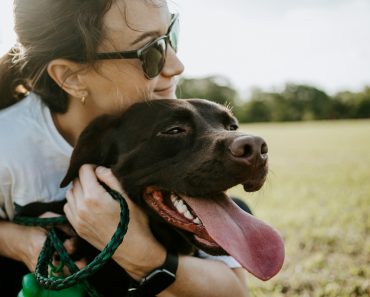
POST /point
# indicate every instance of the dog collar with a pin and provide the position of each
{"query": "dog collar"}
(158, 279)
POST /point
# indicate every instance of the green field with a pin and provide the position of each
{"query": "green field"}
(318, 196)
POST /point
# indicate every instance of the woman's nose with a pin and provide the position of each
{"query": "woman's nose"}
(173, 65)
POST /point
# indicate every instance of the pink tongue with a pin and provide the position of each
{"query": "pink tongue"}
(254, 244)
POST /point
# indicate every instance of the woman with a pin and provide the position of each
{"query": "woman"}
(65, 67)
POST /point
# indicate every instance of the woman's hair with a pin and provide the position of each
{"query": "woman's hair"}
(47, 30)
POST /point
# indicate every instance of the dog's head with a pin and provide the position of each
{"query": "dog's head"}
(175, 159)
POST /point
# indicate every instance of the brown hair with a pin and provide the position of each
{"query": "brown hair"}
(47, 30)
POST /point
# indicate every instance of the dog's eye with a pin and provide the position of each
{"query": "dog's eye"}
(233, 127)
(173, 131)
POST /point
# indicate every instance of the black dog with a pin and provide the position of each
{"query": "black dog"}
(175, 159)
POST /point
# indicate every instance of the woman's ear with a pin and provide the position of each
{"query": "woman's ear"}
(67, 74)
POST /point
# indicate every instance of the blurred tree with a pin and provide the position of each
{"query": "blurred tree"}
(343, 105)
(215, 88)
(353, 105)
(308, 103)
(296, 102)
(363, 104)
(255, 111)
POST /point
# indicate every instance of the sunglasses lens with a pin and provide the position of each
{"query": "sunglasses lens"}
(153, 58)
(173, 34)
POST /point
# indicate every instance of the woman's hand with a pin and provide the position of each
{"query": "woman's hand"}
(34, 239)
(24, 243)
(95, 215)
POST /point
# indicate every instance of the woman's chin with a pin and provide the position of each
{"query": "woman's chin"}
(165, 94)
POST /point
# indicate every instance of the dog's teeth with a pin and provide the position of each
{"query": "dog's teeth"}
(197, 221)
(188, 215)
(182, 208)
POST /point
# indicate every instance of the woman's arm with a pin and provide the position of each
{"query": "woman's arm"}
(21, 243)
(200, 277)
(94, 215)
(24, 243)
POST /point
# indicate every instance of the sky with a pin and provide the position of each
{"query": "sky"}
(266, 43)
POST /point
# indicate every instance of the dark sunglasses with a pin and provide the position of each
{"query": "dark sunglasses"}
(153, 54)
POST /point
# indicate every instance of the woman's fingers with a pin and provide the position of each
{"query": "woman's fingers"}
(81, 263)
(106, 176)
(49, 214)
(70, 208)
(75, 208)
(88, 179)
(90, 210)
(70, 245)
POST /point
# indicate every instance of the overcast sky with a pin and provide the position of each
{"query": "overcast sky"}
(265, 43)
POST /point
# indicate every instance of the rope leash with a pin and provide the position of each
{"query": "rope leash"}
(54, 244)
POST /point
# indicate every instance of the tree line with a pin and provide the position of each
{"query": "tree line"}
(295, 102)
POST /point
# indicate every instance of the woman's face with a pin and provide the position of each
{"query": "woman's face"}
(118, 83)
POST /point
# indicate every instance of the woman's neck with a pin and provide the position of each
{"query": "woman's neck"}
(74, 121)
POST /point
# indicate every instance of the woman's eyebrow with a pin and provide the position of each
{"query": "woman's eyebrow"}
(152, 34)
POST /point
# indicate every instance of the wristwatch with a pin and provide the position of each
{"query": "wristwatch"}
(158, 279)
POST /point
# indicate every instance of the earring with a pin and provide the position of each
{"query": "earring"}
(83, 100)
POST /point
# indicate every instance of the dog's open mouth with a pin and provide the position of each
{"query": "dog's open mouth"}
(220, 226)
(175, 211)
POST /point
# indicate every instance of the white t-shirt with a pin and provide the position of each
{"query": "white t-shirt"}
(34, 158)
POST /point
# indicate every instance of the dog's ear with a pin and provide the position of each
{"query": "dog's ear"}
(96, 145)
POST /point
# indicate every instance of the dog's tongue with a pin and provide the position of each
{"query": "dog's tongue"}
(254, 244)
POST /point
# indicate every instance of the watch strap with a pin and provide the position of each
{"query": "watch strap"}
(158, 279)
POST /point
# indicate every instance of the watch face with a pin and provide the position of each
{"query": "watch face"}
(157, 281)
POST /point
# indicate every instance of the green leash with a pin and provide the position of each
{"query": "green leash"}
(54, 244)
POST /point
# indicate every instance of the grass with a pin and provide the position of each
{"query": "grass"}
(318, 196)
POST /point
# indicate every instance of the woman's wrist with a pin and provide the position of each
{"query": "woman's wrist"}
(10, 236)
(141, 264)
(21, 243)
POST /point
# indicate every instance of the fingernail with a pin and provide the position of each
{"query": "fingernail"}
(101, 170)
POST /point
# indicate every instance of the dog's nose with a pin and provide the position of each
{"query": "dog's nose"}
(249, 147)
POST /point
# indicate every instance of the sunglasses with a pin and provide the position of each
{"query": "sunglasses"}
(153, 54)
